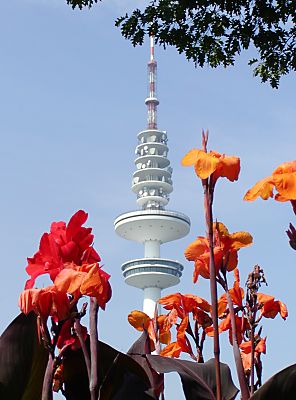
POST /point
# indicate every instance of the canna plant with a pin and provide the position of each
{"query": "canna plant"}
(67, 255)
(47, 349)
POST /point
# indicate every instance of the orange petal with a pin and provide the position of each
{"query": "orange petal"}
(222, 305)
(270, 309)
(96, 284)
(263, 188)
(283, 310)
(181, 336)
(225, 324)
(261, 346)
(170, 319)
(172, 350)
(232, 260)
(202, 318)
(286, 167)
(209, 331)
(240, 239)
(205, 165)
(69, 280)
(286, 185)
(27, 300)
(279, 197)
(246, 347)
(196, 248)
(165, 337)
(229, 167)
(221, 228)
(236, 275)
(264, 298)
(237, 294)
(139, 320)
(190, 158)
(199, 302)
(246, 359)
(170, 301)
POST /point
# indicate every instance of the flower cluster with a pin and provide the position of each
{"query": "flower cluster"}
(181, 308)
(67, 255)
(226, 247)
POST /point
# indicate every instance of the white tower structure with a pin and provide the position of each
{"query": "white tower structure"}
(152, 225)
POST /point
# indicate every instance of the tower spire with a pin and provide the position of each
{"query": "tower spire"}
(152, 101)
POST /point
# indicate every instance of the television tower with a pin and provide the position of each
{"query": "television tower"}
(152, 225)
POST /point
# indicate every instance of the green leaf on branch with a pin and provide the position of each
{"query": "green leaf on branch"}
(215, 32)
(82, 3)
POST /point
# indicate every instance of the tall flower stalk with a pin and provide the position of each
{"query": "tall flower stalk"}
(93, 327)
(209, 255)
(208, 204)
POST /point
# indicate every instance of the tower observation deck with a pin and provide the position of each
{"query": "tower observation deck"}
(152, 225)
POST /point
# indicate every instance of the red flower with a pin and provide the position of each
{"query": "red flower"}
(68, 337)
(63, 244)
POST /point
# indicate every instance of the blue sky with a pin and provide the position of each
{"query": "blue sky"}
(72, 102)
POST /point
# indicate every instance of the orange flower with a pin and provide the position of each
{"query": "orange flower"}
(199, 252)
(283, 179)
(180, 306)
(184, 304)
(182, 340)
(226, 246)
(141, 321)
(45, 302)
(212, 164)
(174, 349)
(225, 325)
(236, 294)
(246, 350)
(270, 307)
(88, 279)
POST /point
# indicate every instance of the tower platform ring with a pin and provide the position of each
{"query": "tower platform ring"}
(152, 272)
(161, 225)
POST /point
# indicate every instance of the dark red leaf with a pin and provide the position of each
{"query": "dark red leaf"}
(280, 386)
(22, 360)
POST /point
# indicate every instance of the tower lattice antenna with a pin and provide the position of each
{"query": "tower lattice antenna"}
(152, 101)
